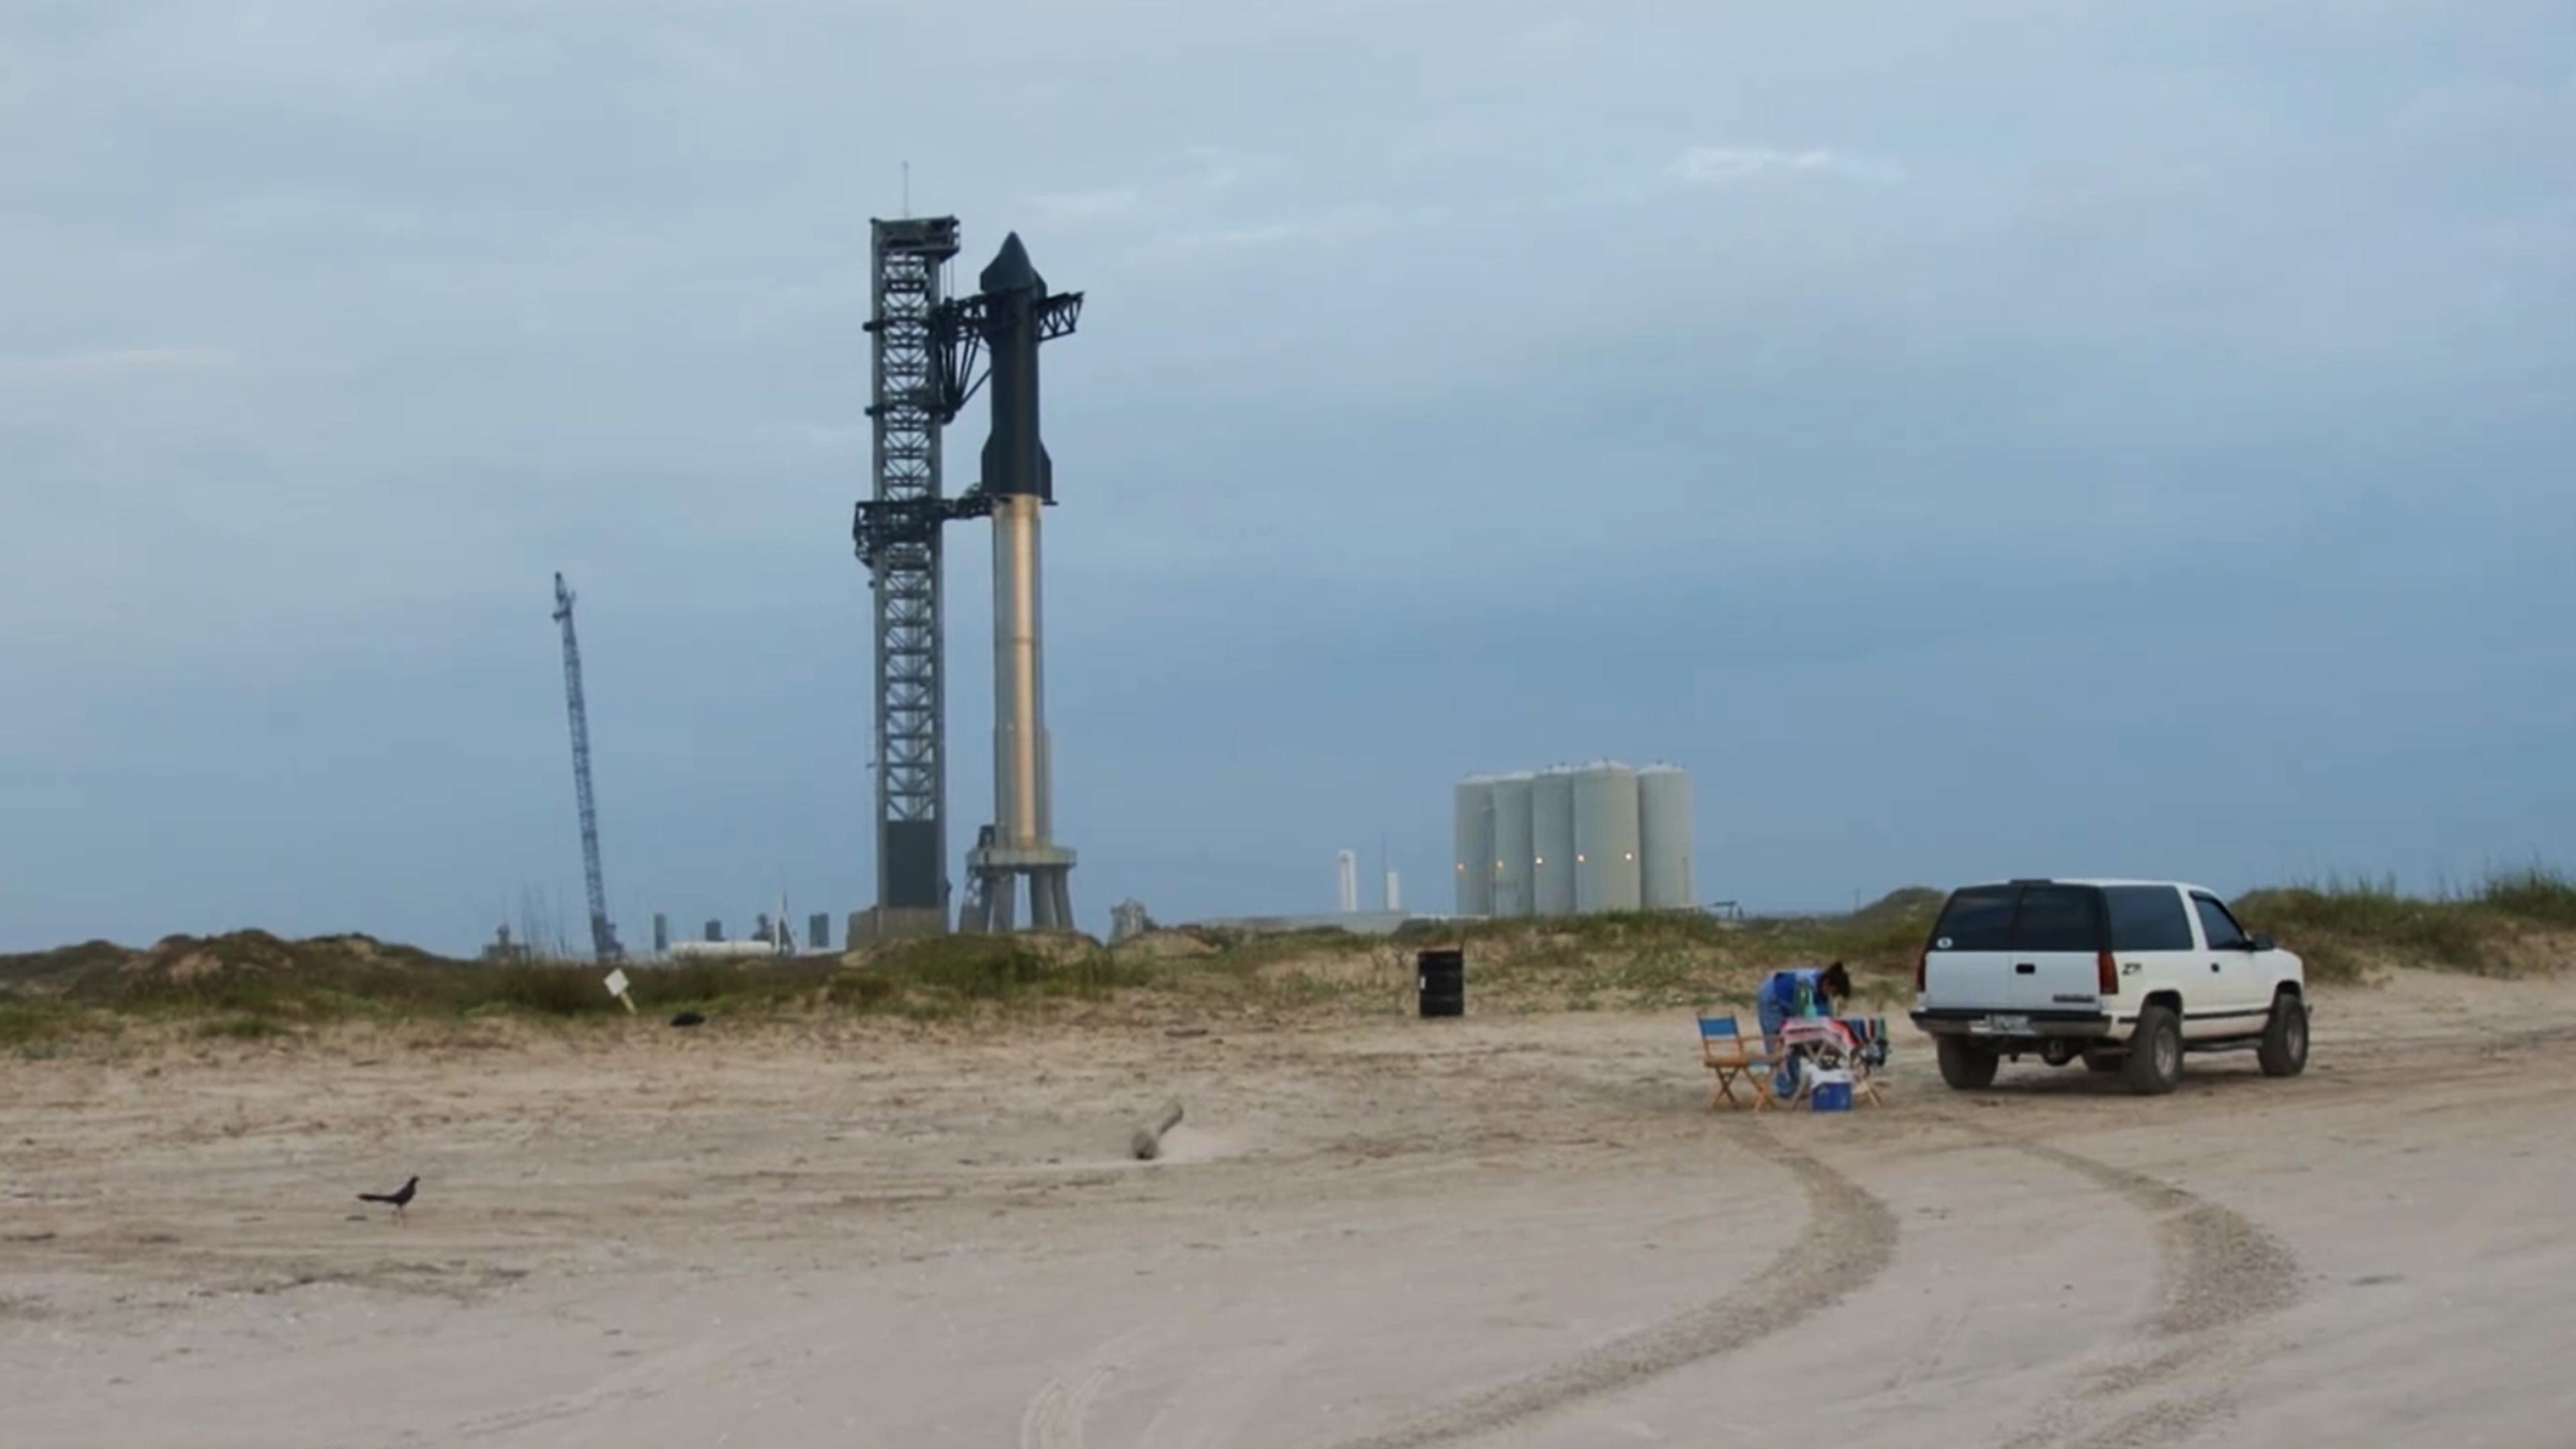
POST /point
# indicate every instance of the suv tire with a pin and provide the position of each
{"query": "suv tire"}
(2284, 1052)
(1967, 1066)
(2154, 1064)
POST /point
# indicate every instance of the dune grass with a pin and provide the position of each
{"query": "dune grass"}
(37, 1022)
(2343, 928)
(253, 987)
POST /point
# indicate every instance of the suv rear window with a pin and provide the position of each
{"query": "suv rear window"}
(2057, 918)
(1976, 919)
(2148, 918)
(2020, 918)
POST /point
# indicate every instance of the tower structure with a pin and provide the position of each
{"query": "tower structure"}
(603, 936)
(897, 533)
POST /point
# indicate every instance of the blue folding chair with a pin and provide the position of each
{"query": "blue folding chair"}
(1735, 1057)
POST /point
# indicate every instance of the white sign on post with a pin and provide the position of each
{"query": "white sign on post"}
(616, 985)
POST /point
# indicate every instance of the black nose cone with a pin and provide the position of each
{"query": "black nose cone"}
(1010, 270)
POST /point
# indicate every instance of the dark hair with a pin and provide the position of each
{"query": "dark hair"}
(1835, 981)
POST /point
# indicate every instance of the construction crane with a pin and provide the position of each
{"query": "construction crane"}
(603, 936)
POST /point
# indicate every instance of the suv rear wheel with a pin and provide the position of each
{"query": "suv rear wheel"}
(2154, 1064)
(2284, 1052)
(1966, 1065)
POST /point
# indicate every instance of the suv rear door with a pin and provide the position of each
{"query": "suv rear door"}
(2026, 946)
(2152, 942)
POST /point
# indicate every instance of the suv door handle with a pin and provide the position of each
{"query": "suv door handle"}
(2026, 968)
(2213, 965)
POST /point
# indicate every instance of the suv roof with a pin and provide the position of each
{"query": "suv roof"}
(2183, 885)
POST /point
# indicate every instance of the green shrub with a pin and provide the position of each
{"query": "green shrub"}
(26, 1022)
(544, 990)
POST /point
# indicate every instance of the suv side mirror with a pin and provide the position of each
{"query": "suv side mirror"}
(2260, 943)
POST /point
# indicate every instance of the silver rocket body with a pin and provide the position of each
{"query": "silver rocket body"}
(1018, 479)
(1023, 811)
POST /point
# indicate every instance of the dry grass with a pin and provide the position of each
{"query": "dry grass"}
(2511, 923)
(250, 986)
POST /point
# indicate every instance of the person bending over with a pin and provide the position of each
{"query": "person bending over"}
(1800, 991)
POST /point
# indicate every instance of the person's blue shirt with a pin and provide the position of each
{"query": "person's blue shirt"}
(1785, 994)
(1781, 996)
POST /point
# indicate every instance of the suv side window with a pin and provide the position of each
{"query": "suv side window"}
(2223, 932)
(2148, 918)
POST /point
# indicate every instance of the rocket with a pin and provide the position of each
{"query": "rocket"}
(1019, 480)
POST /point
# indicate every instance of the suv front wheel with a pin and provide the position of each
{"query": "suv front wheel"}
(2284, 1052)
(2154, 1063)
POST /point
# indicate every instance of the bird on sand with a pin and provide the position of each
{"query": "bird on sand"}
(399, 1197)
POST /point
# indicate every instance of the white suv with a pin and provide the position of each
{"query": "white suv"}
(2128, 975)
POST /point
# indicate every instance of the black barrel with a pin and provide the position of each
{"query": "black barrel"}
(1443, 977)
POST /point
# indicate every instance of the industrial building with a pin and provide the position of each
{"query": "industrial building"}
(1574, 840)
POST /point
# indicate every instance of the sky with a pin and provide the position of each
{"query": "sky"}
(1975, 438)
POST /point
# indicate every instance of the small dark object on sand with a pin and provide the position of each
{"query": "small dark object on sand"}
(400, 1197)
(1147, 1144)
(688, 1018)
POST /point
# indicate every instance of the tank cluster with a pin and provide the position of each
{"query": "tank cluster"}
(1574, 840)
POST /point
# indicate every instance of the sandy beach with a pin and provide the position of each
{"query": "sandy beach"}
(1515, 1230)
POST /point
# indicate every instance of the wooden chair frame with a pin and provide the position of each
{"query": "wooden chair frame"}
(1734, 1057)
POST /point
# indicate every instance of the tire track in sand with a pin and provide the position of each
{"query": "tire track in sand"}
(2217, 1271)
(1055, 1413)
(1053, 1419)
(1839, 1210)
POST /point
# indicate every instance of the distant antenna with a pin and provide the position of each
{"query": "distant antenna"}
(907, 188)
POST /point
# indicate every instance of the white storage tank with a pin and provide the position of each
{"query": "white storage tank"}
(1664, 837)
(1473, 846)
(1606, 869)
(1552, 843)
(1512, 844)
(722, 950)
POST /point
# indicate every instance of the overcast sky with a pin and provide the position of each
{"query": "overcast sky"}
(1974, 437)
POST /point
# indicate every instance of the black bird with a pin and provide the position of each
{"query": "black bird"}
(400, 1197)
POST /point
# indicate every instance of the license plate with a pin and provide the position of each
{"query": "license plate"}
(2001, 1026)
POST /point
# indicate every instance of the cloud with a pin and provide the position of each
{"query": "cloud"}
(1093, 205)
(1328, 228)
(527, 287)
(117, 362)
(827, 437)
(1726, 165)
(1215, 168)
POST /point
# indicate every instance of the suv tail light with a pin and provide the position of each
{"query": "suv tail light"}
(2106, 974)
(1922, 968)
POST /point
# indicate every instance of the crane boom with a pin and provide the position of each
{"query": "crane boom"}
(603, 936)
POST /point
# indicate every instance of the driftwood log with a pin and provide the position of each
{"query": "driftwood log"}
(1148, 1141)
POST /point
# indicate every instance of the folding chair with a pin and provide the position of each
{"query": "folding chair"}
(1734, 1057)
